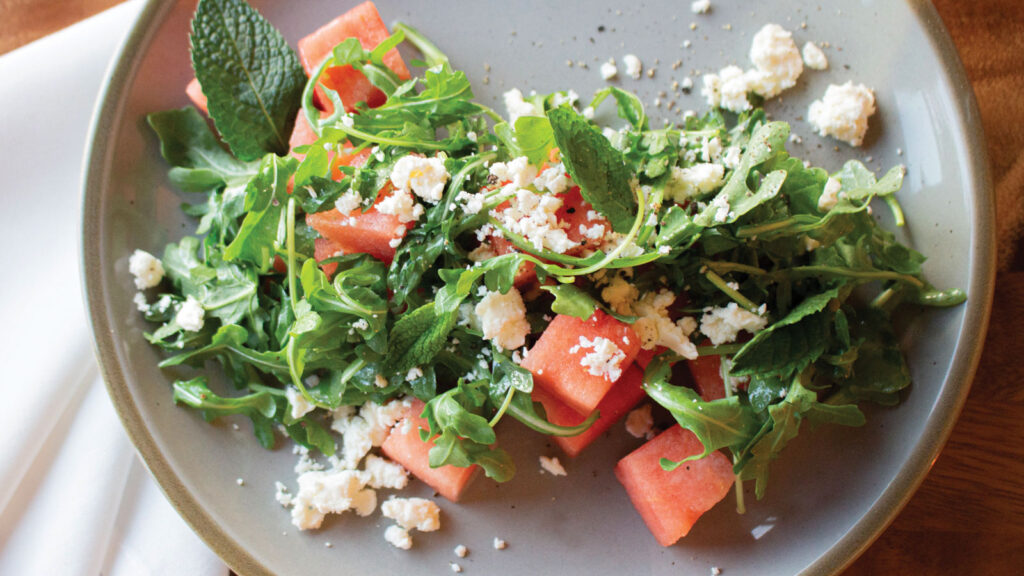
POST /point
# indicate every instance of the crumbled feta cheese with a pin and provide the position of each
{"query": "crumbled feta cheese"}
(414, 373)
(609, 70)
(710, 149)
(499, 544)
(722, 325)
(190, 315)
(461, 551)
(843, 112)
(140, 302)
(654, 325)
(334, 492)
(829, 195)
(552, 466)
(777, 59)
(398, 537)
(639, 421)
(419, 513)
(553, 180)
(612, 241)
(456, 567)
(282, 495)
(425, 177)
(348, 202)
(605, 360)
(381, 418)
(299, 405)
(401, 203)
(700, 6)
(518, 171)
(721, 205)
(471, 203)
(814, 58)
(534, 217)
(147, 270)
(517, 106)
(687, 183)
(731, 159)
(385, 474)
(727, 89)
(633, 65)
(380, 381)
(503, 319)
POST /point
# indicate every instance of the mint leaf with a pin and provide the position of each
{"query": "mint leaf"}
(597, 167)
(416, 338)
(571, 301)
(532, 137)
(252, 79)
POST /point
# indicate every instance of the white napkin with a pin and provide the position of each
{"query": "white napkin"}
(74, 497)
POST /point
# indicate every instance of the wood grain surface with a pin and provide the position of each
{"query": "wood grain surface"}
(968, 516)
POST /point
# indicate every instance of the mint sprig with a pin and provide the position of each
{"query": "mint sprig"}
(252, 79)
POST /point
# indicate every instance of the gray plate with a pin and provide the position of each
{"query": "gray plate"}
(831, 493)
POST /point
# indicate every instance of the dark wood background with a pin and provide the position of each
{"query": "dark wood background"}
(968, 516)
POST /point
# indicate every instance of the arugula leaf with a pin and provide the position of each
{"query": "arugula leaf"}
(596, 167)
(198, 161)
(790, 344)
(263, 229)
(260, 407)
(630, 108)
(252, 79)
(571, 301)
(532, 137)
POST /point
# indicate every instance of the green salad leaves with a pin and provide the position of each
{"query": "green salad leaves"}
(712, 211)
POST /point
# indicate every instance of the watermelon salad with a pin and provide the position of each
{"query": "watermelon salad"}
(384, 268)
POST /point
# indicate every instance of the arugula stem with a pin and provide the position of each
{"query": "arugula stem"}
(720, 350)
(504, 406)
(869, 275)
(291, 252)
(897, 210)
(432, 55)
(731, 292)
(719, 266)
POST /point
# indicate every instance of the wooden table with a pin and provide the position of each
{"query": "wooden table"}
(968, 516)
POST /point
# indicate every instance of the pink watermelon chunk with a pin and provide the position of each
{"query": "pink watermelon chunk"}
(671, 502)
(403, 445)
(623, 396)
(555, 360)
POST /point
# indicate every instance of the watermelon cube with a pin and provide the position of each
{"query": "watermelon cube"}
(404, 446)
(563, 366)
(671, 502)
(364, 23)
(707, 377)
(623, 396)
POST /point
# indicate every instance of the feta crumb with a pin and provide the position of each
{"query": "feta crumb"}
(398, 537)
(380, 381)
(456, 567)
(731, 158)
(552, 179)
(419, 513)
(609, 70)
(722, 325)
(700, 6)
(829, 195)
(240, 481)
(534, 217)
(777, 59)
(654, 325)
(348, 202)
(461, 551)
(605, 360)
(401, 203)
(503, 319)
(518, 171)
(281, 494)
(190, 315)
(843, 112)
(687, 183)
(321, 493)
(147, 270)
(140, 302)
(721, 205)
(639, 421)
(298, 403)
(551, 466)
(471, 203)
(499, 544)
(727, 89)
(715, 571)
(425, 177)
(517, 106)
(814, 58)
(384, 473)
(633, 65)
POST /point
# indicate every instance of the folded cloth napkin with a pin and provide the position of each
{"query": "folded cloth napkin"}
(74, 497)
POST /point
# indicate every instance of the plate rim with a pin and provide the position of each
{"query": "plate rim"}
(864, 532)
